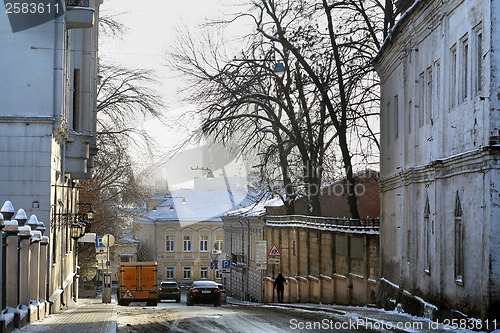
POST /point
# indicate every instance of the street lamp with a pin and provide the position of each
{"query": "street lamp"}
(77, 230)
(279, 69)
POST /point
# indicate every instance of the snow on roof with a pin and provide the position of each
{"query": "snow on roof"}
(255, 208)
(197, 205)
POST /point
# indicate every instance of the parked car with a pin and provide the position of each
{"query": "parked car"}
(169, 290)
(204, 292)
(222, 293)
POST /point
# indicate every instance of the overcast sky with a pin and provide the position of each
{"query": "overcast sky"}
(151, 26)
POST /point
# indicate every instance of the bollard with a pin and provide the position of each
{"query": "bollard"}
(11, 264)
(34, 274)
(24, 263)
(42, 286)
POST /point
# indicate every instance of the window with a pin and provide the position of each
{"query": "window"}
(396, 117)
(388, 113)
(203, 273)
(428, 95)
(186, 272)
(204, 243)
(453, 76)
(76, 100)
(427, 235)
(170, 243)
(464, 69)
(170, 273)
(186, 243)
(218, 274)
(421, 101)
(459, 242)
(438, 89)
(478, 62)
(410, 115)
(219, 242)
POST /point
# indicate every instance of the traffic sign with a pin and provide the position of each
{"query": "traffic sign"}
(261, 252)
(274, 252)
(214, 256)
(213, 265)
(108, 240)
(128, 294)
(98, 242)
(226, 264)
(273, 261)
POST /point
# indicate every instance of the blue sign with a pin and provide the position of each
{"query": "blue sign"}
(98, 241)
(213, 265)
(226, 264)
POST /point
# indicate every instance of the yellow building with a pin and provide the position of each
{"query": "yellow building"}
(182, 229)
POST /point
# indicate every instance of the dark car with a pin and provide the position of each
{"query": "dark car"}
(169, 290)
(222, 292)
(205, 292)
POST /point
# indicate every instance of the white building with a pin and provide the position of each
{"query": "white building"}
(48, 82)
(440, 180)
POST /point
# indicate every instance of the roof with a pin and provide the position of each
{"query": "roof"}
(197, 205)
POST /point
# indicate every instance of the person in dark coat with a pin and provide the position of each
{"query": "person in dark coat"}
(280, 287)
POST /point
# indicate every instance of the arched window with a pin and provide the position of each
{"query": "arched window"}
(459, 241)
(427, 235)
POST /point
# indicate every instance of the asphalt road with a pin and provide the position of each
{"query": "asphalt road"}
(169, 316)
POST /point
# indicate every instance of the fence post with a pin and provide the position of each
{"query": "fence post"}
(34, 274)
(24, 262)
(42, 287)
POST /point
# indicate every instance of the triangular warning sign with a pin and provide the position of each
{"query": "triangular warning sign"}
(274, 252)
(128, 294)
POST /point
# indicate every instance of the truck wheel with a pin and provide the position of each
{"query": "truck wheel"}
(122, 302)
(152, 303)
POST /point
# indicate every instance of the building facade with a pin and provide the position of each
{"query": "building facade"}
(440, 159)
(47, 124)
(182, 231)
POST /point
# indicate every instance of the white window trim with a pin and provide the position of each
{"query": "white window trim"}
(173, 273)
(207, 270)
(190, 272)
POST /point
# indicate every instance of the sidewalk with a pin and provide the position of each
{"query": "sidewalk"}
(89, 315)
(366, 316)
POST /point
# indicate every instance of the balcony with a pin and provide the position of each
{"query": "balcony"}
(79, 15)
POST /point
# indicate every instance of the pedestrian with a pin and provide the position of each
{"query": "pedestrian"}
(279, 286)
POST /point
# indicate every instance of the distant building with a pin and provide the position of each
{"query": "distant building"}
(48, 123)
(440, 139)
(183, 228)
(242, 229)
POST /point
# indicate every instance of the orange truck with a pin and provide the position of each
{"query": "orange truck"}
(137, 283)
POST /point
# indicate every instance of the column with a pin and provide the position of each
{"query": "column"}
(44, 242)
(35, 266)
(11, 264)
(24, 263)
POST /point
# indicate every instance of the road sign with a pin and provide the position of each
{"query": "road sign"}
(273, 261)
(225, 275)
(261, 252)
(213, 265)
(226, 264)
(274, 252)
(128, 294)
(214, 256)
(98, 242)
(108, 240)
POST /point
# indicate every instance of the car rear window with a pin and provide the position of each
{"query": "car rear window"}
(204, 284)
(168, 284)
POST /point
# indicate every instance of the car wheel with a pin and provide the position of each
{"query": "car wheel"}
(189, 303)
(178, 300)
(217, 303)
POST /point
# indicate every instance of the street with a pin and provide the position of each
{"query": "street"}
(170, 316)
